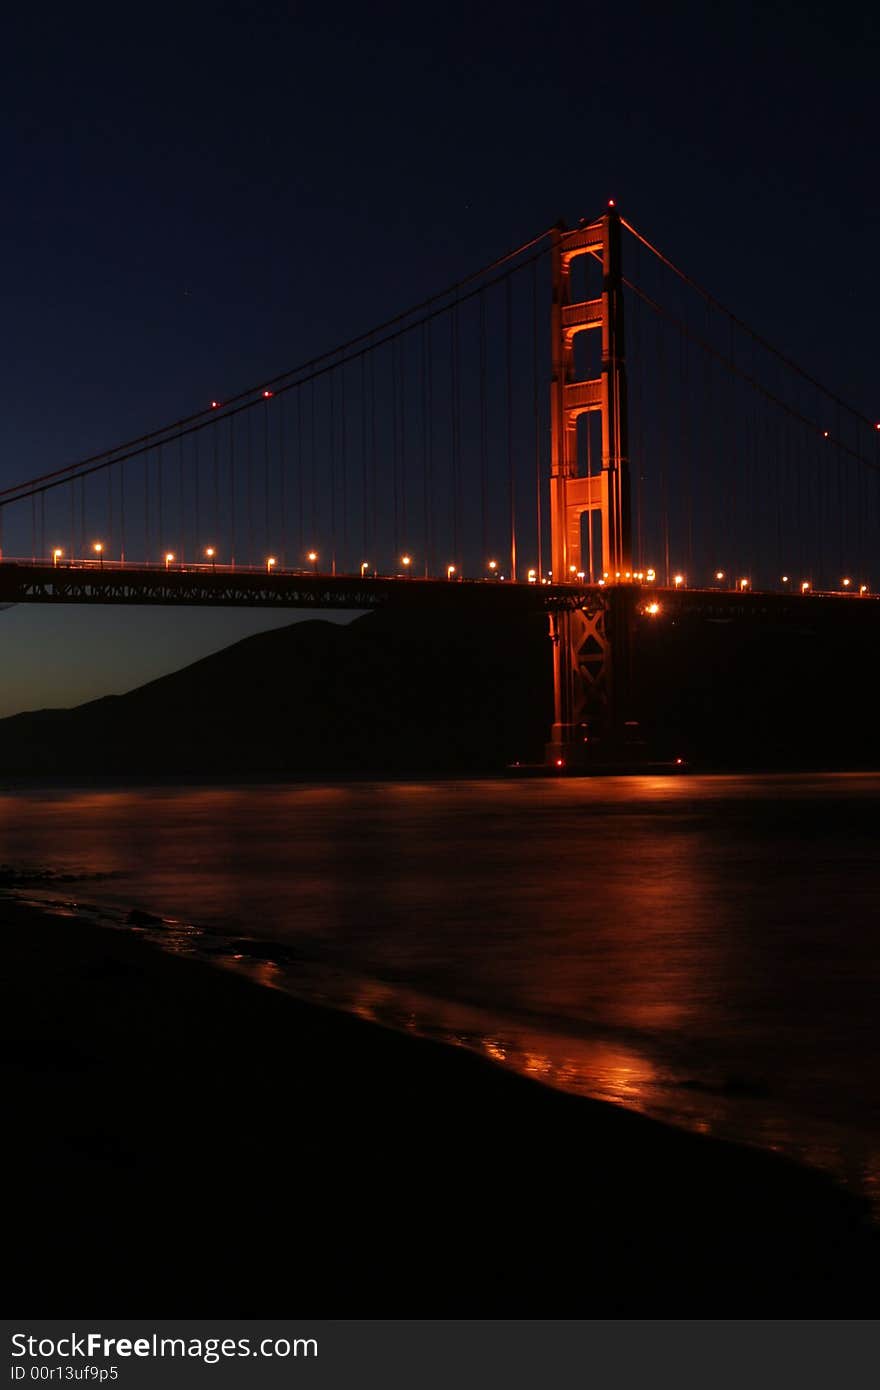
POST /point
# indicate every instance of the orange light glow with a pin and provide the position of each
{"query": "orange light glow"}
(560, 762)
(743, 584)
(98, 547)
(678, 581)
(653, 609)
(846, 583)
(650, 575)
(493, 565)
(805, 586)
(719, 574)
(56, 555)
(406, 561)
(168, 558)
(210, 552)
(271, 562)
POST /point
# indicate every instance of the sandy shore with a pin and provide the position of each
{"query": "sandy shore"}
(180, 1142)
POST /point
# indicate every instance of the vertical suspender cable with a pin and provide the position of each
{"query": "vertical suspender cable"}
(394, 486)
(536, 424)
(426, 525)
(232, 537)
(365, 547)
(299, 474)
(484, 438)
(250, 486)
(332, 434)
(159, 496)
(267, 489)
(215, 524)
(429, 402)
(343, 466)
(374, 455)
(148, 539)
(180, 487)
(282, 478)
(456, 438)
(402, 407)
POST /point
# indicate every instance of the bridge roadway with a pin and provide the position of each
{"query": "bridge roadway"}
(89, 582)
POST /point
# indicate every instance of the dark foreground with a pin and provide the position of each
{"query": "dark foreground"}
(183, 1143)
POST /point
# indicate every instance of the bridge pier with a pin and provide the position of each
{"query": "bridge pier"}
(592, 679)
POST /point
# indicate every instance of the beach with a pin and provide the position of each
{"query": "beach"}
(183, 1139)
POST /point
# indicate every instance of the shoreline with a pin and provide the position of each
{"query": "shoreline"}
(177, 1135)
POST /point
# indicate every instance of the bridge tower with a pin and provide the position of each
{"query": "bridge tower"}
(589, 658)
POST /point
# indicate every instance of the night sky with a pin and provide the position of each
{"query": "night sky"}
(196, 198)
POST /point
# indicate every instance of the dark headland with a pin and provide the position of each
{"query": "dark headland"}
(396, 692)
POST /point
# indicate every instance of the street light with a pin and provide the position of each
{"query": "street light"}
(364, 567)
(270, 564)
(678, 581)
(98, 548)
(743, 584)
(532, 576)
(56, 556)
(863, 588)
(211, 553)
(719, 575)
(406, 561)
(450, 570)
(493, 566)
(846, 583)
(805, 586)
(313, 557)
(168, 558)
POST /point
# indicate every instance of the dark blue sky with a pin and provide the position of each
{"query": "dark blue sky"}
(196, 197)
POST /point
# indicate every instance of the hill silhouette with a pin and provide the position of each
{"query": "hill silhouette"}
(388, 692)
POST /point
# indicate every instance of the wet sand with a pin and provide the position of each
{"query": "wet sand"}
(181, 1142)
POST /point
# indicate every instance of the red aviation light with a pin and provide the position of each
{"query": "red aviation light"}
(266, 395)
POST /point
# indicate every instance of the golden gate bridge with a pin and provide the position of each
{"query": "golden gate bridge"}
(578, 429)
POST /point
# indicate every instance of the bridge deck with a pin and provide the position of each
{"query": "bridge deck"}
(88, 582)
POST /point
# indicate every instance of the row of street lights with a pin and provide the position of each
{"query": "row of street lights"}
(272, 561)
(638, 576)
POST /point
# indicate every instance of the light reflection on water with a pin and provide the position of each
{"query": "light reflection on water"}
(702, 949)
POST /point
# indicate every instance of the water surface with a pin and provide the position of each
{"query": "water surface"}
(703, 949)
